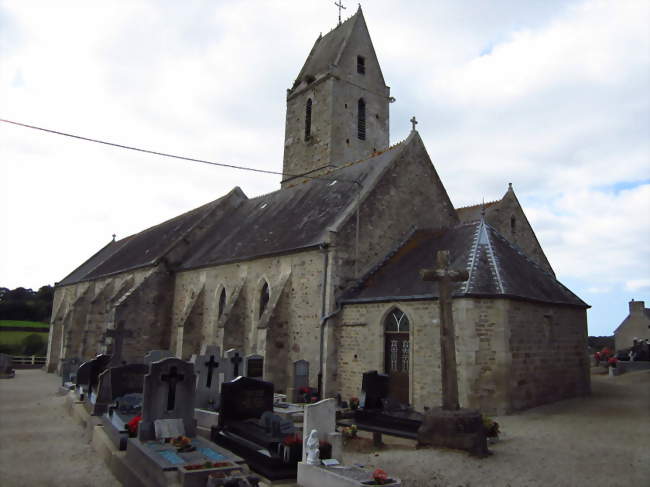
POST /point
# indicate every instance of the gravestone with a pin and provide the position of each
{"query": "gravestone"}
(248, 427)
(233, 365)
(88, 376)
(6, 366)
(254, 366)
(69, 367)
(321, 416)
(117, 335)
(300, 377)
(156, 355)
(374, 388)
(208, 368)
(116, 382)
(168, 393)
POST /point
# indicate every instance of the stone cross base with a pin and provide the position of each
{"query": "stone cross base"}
(461, 430)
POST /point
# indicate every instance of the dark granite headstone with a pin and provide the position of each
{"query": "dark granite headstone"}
(116, 382)
(375, 388)
(245, 398)
(169, 393)
(254, 366)
(88, 375)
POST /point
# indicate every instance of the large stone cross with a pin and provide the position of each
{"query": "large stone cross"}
(118, 334)
(446, 277)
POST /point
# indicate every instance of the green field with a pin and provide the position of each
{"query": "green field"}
(16, 337)
(24, 324)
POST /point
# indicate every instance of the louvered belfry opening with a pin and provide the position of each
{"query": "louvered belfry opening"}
(308, 119)
(361, 65)
(361, 119)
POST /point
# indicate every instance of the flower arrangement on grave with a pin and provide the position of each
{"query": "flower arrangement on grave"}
(349, 431)
(612, 361)
(181, 441)
(491, 427)
(379, 477)
(292, 448)
(308, 394)
(354, 402)
(132, 426)
(325, 449)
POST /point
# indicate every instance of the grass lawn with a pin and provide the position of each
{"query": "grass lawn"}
(24, 324)
(16, 337)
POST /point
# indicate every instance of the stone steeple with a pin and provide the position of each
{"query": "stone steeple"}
(337, 108)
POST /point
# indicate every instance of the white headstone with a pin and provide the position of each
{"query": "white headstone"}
(320, 416)
(233, 365)
(208, 367)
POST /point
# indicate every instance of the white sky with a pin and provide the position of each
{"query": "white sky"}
(549, 95)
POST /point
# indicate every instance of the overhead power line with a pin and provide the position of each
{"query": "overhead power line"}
(173, 156)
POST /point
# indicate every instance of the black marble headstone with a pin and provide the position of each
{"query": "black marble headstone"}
(375, 387)
(245, 398)
(255, 366)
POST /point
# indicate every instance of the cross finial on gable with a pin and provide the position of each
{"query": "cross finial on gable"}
(114, 237)
(339, 4)
(414, 122)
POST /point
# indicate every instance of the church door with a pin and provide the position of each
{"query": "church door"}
(397, 346)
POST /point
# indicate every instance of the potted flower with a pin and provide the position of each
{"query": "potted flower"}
(132, 426)
(349, 431)
(379, 477)
(354, 403)
(291, 448)
(611, 365)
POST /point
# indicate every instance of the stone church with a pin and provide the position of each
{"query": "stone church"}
(325, 269)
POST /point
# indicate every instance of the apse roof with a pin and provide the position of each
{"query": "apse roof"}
(495, 267)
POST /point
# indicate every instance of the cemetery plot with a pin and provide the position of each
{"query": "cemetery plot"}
(166, 440)
(248, 427)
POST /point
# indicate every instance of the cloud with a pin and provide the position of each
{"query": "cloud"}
(637, 284)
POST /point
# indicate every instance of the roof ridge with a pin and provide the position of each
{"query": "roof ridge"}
(486, 204)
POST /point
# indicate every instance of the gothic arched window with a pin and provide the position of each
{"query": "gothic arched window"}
(222, 302)
(396, 322)
(361, 119)
(264, 298)
(308, 119)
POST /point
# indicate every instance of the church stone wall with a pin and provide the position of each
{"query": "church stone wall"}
(549, 353)
(289, 332)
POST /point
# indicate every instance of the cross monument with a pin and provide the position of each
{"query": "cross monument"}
(117, 334)
(446, 277)
(211, 365)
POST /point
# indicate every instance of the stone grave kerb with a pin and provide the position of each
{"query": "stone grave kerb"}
(208, 366)
(168, 393)
(320, 416)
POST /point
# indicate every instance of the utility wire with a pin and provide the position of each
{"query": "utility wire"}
(173, 156)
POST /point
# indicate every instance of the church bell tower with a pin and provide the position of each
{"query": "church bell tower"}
(337, 109)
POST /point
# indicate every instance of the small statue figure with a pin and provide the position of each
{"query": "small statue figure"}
(313, 453)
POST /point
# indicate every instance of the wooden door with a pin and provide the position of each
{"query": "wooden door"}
(396, 364)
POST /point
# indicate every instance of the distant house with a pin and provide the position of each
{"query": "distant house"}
(636, 325)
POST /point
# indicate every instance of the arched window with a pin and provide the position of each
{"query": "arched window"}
(396, 322)
(361, 119)
(264, 298)
(513, 224)
(222, 302)
(308, 119)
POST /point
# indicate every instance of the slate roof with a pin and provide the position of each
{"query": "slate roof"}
(139, 250)
(327, 49)
(496, 269)
(236, 228)
(292, 218)
(473, 213)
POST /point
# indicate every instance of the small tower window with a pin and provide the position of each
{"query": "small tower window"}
(361, 65)
(264, 298)
(222, 302)
(361, 119)
(513, 224)
(308, 119)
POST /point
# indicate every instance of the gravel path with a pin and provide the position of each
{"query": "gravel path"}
(601, 440)
(40, 444)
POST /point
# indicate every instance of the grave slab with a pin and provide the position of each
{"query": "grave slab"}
(336, 476)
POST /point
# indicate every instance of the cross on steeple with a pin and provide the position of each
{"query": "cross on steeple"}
(445, 277)
(235, 360)
(340, 6)
(414, 122)
(173, 378)
(211, 365)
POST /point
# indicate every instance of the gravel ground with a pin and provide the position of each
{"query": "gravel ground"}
(601, 440)
(40, 443)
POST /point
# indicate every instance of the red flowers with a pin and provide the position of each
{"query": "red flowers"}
(379, 476)
(132, 426)
(612, 361)
(292, 440)
(304, 390)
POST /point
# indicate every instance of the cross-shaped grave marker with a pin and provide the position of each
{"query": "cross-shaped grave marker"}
(235, 361)
(117, 334)
(172, 379)
(232, 368)
(211, 365)
(446, 277)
